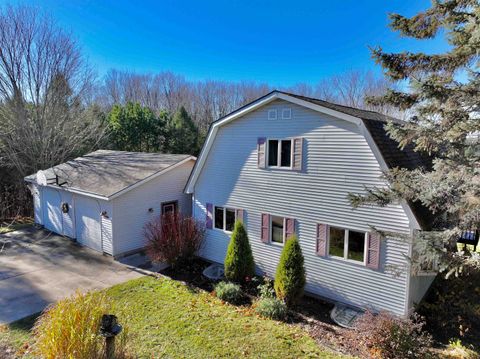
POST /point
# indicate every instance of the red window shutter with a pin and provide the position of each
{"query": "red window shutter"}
(209, 219)
(322, 235)
(373, 250)
(289, 227)
(297, 153)
(265, 227)
(240, 215)
(261, 144)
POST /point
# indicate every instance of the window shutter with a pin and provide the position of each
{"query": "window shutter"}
(261, 144)
(289, 227)
(322, 233)
(373, 250)
(209, 219)
(265, 227)
(240, 215)
(297, 153)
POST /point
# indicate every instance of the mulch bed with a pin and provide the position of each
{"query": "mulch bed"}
(191, 273)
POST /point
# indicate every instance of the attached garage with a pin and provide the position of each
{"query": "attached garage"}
(104, 199)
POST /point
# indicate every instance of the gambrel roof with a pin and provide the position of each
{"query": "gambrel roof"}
(371, 125)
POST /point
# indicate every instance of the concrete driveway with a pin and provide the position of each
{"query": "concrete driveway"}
(38, 267)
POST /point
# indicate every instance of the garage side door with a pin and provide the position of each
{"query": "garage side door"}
(52, 203)
(87, 218)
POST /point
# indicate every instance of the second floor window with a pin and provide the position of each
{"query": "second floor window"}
(280, 153)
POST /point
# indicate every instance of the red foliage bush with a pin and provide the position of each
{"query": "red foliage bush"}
(173, 239)
(387, 336)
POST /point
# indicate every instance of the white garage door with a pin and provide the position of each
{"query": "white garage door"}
(52, 203)
(87, 221)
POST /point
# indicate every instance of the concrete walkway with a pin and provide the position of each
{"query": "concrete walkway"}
(38, 268)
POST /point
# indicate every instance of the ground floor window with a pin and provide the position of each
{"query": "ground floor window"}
(224, 218)
(277, 232)
(347, 244)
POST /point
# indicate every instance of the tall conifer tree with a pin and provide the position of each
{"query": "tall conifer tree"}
(442, 100)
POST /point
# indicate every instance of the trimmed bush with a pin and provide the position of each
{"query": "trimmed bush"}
(173, 239)
(239, 262)
(290, 276)
(71, 329)
(384, 335)
(229, 292)
(272, 308)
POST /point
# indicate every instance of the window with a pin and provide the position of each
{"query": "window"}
(286, 114)
(225, 218)
(272, 114)
(347, 244)
(277, 233)
(280, 153)
(169, 207)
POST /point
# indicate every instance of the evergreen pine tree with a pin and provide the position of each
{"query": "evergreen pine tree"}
(443, 99)
(239, 262)
(290, 276)
(183, 133)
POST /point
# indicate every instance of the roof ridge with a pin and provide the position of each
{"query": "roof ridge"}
(312, 99)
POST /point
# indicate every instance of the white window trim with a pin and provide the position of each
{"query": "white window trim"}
(279, 153)
(272, 114)
(345, 246)
(289, 114)
(224, 218)
(270, 231)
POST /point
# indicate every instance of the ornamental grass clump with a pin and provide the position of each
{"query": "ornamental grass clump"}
(290, 277)
(239, 263)
(71, 329)
(229, 292)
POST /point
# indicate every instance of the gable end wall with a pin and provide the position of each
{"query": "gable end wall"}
(337, 161)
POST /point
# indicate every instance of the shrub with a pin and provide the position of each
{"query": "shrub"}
(387, 336)
(239, 262)
(173, 239)
(452, 308)
(266, 290)
(290, 276)
(229, 292)
(272, 308)
(71, 329)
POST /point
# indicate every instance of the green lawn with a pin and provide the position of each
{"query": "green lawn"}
(168, 319)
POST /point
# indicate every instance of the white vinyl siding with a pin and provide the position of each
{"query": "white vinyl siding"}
(37, 203)
(131, 210)
(337, 160)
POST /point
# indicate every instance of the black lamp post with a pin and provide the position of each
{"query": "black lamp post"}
(109, 328)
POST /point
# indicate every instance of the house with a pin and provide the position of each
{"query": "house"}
(103, 199)
(285, 164)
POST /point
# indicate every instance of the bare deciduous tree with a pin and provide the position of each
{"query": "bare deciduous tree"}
(44, 84)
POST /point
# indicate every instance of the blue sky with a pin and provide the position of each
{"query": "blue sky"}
(279, 42)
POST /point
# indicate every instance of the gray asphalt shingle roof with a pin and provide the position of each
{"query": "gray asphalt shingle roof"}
(106, 172)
